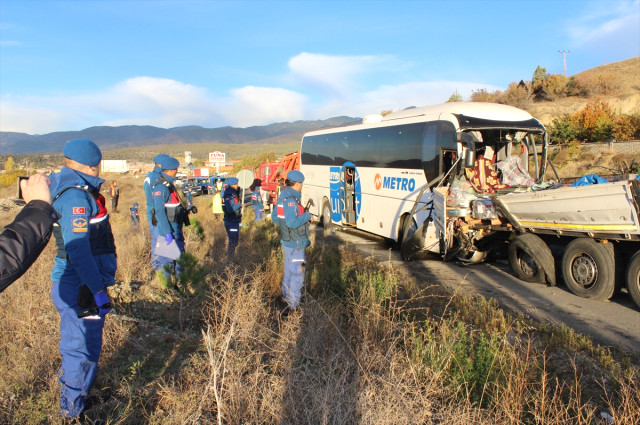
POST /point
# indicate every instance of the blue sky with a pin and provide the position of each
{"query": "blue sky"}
(69, 65)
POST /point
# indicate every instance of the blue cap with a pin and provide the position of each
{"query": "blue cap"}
(295, 176)
(232, 180)
(83, 151)
(158, 158)
(169, 163)
(135, 204)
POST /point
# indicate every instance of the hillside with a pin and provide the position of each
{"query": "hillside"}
(624, 97)
(136, 136)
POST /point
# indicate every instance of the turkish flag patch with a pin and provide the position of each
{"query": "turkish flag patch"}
(158, 193)
(79, 210)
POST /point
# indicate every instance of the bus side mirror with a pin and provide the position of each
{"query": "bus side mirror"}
(469, 159)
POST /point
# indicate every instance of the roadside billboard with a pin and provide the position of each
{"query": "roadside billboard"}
(217, 157)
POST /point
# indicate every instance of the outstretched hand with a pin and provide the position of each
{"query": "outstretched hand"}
(36, 188)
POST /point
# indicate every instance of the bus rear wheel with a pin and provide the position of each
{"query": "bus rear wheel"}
(326, 215)
(588, 269)
(633, 278)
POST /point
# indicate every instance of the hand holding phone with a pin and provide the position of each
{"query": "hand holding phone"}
(35, 187)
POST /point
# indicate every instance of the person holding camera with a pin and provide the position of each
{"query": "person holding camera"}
(170, 213)
(84, 266)
(22, 241)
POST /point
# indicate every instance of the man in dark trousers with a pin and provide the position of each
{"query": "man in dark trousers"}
(114, 192)
(22, 241)
(232, 206)
(85, 265)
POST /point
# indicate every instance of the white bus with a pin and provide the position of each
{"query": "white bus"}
(381, 176)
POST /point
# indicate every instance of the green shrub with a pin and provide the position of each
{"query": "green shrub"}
(563, 130)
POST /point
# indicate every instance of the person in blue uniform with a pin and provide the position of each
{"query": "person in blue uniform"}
(85, 265)
(293, 220)
(153, 230)
(170, 212)
(256, 200)
(135, 219)
(232, 206)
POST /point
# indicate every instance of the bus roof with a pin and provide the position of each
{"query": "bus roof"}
(482, 110)
(468, 115)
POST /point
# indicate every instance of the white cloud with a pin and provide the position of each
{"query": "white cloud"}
(612, 27)
(169, 103)
(150, 101)
(155, 101)
(338, 75)
(251, 105)
(24, 117)
(397, 97)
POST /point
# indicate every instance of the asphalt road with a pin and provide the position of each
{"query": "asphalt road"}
(609, 323)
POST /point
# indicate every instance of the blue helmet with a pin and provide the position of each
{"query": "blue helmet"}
(83, 151)
(169, 163)
(295, 176)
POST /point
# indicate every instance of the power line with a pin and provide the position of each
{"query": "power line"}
(564, 60)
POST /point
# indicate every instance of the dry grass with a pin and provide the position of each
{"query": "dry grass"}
(369, 345)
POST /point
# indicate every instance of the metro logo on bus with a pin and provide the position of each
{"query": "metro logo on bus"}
(377, 181)
(394, 183)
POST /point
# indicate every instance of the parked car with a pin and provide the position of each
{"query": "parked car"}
(205, 185)
(193, 188)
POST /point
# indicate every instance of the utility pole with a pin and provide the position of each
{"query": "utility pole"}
(564, 60)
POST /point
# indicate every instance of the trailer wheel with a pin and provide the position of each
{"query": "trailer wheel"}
(633, 278)
(528, 256)
(326, 215)
(588, 268)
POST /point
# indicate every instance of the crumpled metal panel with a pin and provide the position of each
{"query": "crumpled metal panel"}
(606, 207)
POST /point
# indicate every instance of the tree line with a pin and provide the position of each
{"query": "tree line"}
(596, 122)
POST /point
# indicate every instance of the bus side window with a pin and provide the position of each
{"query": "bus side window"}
(430, 150)
(309, 151)
(325, 150)
(367, 148)
(343, 147)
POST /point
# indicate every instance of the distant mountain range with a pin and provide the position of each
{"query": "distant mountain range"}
(135, 135)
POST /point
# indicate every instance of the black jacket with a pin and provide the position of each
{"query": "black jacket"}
(22, 241)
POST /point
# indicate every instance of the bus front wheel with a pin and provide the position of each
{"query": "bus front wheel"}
(326, 215)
